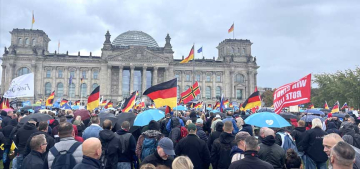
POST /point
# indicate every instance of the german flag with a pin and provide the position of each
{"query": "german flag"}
(77, 102)
(311, 106)
(163, 94)
(209, 106)
(103, 103)
(93, 99)
(63, 101)
(198, 105)
(326, 105)
(335, 108)
(231, 28)
(253, 101)
(50, 100)
(129, 103)
(241, 108)
(231, 105)
(109, 104)
(190, 93)
(190, 57)
(217, 104)
(4, 103)
(226, 102)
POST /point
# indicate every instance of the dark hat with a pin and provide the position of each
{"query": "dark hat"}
(191, 126)
(3, 113)
(167, 145)
(154, 125)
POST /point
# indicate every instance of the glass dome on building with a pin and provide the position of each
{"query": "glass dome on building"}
(135, 38)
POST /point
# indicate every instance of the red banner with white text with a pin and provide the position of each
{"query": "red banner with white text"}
(292, 94)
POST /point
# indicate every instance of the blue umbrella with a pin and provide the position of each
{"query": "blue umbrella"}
(267, 119)
(180, 108)
(309, 118)
(76, 107)
(214, 111)
(208, 108)
(339, 115)
(146, 116)
(314, 111)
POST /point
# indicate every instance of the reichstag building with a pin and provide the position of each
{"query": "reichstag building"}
(132, 61)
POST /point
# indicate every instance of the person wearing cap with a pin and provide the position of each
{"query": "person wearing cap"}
(163, 154)
(21, 138)
(237, 152)
(200, 131)
(216, 119)
(195, 148)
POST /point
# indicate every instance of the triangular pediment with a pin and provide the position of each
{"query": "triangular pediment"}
(137, 53)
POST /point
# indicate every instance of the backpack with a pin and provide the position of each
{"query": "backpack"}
(103, 158)
(64, 159)
(288, 142)
(124, 140)
(174, 122)
(183, 132)
(148, 147)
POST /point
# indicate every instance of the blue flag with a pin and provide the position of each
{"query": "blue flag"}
(200, 50)
(70, 80)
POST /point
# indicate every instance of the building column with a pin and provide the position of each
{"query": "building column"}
(213, 89)
(132, 79)
(3, 79)
(155, 76)
(182, 81)
(248, 84)
(143, 76)
(12, 73)
(33, 68)
(203, 91)
(77, 87)
(89, 82)
(227, 84)
(109, 80)
(232, 90)
(66, 82)
(120, 80)
(54, 79)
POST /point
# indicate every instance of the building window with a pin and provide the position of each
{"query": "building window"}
(243, 51)
(148, 79)
(94, 86)
(187, 77)
(186, 87)
(19, 41)
(199, 95)
(47, 89)
(60, 73)
(218, 78)
(72, 90)
(239, 78)
(197, 77)
(208, 92)
(178, 92)
(83, 74)
(27, 41)
(48, 73)
(137, 81)
(95, 74)
(126, 83)
(218, 92)
(23, 71)
(33, 42)
(60, 90)
(72, 74)
(178, 75)
(239, 94)
(208, 78)
(83, 90)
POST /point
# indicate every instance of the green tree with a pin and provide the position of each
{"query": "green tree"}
(268, 97)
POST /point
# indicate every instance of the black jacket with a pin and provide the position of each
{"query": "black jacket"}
(298, 135)
(88, 163)
(220, 151)
(156, 160)
(163, 127)
(130, 146)
(278, 139)
(201, 133)
(248, 128)
(7, 132)
(208, 124)
(111, 146)
(331, 128)
(23, 135)
(272, 153)
(33, 160)
(312, 145)
(50, 142)
(251, 161)
(215, 134)
(196, 149)
(5, 121)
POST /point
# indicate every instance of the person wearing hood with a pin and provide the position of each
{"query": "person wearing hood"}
(43, 128)
(215, 134)
(21, 138)
(152, 133)
(235, 127)
(348, 133)
(237, 152)
(6, 118)
(110, 144)
(128, 146)
(331, 128)
(220, 150)
(200, 132)
(216, 119)
(298, 133)
(271, 152)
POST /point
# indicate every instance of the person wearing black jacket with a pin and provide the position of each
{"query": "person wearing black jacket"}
(43, 128)
(163, 125)
(312, 145)
(163, 154)
(271, 152)
(251, 159)
(208, 122)
(195, 148)
(111, 145)
(36, 157)
(21, 138)
(5, 118)
(298, 133)
(8, 141)
(128, 146)
(220, 151)
(331, 128)
(215, 134)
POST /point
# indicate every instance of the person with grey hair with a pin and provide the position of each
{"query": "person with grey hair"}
(314, 156)
(342, 156)
(93, 130)
(251, 159)
(261, 134)
(35, 158)
(271, 152)
(237, 152)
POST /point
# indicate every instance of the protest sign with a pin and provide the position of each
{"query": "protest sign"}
(294, 93)
(22, 86)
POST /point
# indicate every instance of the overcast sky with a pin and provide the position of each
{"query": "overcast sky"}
(291, 38)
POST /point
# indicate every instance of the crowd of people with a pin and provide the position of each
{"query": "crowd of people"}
(181, 140)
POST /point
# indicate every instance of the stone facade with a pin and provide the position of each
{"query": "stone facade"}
(125, 68)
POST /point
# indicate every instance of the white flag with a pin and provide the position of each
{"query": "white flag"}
(22, 86)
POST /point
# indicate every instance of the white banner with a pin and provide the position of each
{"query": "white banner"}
(22, 86)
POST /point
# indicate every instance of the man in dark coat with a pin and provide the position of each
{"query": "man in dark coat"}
(298, 133)
(38, 147)
(200, 130)
(251, 159)
(91, 154)
(220, 151)
(271, 152)
(163, 154)
(110, 144)
(208, 122)
(195, 148)
(6, 117)
(8, 141)
(43, 128)
(21, 138)
(128, 146)
(215, 134)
